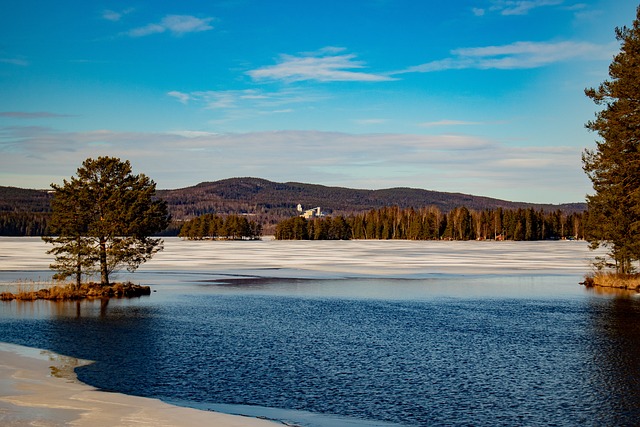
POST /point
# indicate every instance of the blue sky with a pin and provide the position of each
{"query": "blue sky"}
(474, 96)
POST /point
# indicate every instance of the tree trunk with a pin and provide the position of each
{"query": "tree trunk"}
(78, 273)
(104, 272)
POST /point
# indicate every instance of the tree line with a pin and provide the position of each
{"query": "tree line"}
(24, 223)
(211, 226)
(36, 224)
(430, 223)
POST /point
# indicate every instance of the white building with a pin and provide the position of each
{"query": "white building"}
(311, 213)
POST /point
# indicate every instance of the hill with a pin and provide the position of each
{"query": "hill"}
(14, 199)
(260, 196)
(270, 202)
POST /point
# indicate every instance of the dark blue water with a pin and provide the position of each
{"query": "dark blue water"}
(413, 352)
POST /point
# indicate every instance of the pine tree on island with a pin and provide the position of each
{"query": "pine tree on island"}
(102, 219)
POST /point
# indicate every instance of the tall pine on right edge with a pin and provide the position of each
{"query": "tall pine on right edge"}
(614, 166)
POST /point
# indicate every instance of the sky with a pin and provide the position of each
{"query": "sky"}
(483, 97)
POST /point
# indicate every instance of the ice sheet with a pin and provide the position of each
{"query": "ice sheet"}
(328, 259)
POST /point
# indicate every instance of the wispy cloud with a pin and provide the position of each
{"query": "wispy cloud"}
(583, 12)
(372, 121)
(247, 99)
(21, 62)
(115, 16)
(576, 7)
(519, 55)
(515, 7)
(449, 123)
(180, 96)
(35, 156)
(31, 115)
(326, 65)
(175, 24)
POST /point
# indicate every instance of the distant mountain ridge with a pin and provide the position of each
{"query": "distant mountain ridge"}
(260, 196)
(24, 200)
(275, 200)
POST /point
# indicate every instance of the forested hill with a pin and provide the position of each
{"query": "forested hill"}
(260, 196)
(24, 200)
(255, 195)
(25, 212)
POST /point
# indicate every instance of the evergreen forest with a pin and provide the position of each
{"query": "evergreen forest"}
(24, 223)
(27, 212)
(431, 224)
(215, 227)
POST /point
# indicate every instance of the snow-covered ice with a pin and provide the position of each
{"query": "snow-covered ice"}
(329, 259)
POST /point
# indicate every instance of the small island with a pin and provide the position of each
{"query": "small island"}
(89, 290)
(101, 221)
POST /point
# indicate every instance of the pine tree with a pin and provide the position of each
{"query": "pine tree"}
(614, 166)
(103, 218)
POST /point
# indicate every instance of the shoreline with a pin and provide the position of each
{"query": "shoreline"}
(616, 282)
(39, 387)
(70, 292)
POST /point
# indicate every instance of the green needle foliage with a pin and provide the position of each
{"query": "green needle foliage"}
(614, 166)
(102, 219)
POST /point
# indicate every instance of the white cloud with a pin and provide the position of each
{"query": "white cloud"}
(518, 55)
(370, 121)
(176, 24)
(326, 65)
(111, 15)
(283, 111)
(15, 61)
(249, 102)
(180, 96)
(36, 156)
(449, 123)
(32, 115)
(577, 7)
(146, 30)
(180, 24)
(192, 133)
(521, 7)
(115, 16)
(583, 13)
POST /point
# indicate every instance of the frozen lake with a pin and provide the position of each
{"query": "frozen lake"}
(315, 259)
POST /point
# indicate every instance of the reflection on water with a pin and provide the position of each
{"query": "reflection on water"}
(613, 292)
(433, 351)
(616, 345)
(63, 309)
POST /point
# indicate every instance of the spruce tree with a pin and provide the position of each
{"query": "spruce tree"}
(102, 220)
(614, 166)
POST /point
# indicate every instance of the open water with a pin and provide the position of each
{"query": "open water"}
(508, 347)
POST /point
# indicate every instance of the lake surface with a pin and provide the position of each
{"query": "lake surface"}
(353, 333)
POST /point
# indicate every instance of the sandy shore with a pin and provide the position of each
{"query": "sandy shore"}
(39, 388)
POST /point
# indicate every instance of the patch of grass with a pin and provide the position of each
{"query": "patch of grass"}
(65, 292)
(613, 280)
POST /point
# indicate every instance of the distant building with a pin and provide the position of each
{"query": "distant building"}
(311, 213)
